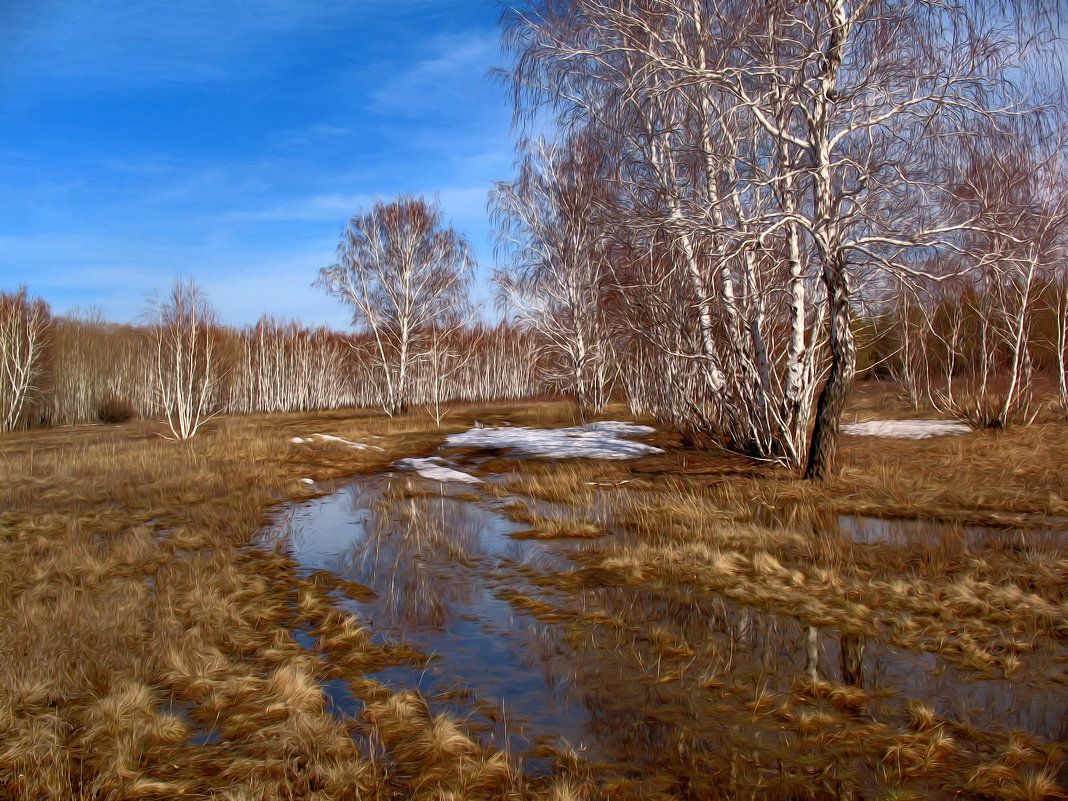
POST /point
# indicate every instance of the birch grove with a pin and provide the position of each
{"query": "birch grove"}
(1059, 308)
(87, 365)
(972, 343)
(94, 363)
(723, 194)
(777, 162)
(281, 366)
(1015, 180)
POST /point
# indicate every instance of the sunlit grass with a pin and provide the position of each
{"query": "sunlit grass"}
(151, 651)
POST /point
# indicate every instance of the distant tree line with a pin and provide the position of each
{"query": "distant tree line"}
(185, 367)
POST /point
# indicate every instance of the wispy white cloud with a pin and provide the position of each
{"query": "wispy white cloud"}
(335, 206)
(456, 203)
(448, 76)
(464, 203)
(280, 286)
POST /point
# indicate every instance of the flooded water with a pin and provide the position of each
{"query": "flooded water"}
(658, 680)
(436, 564)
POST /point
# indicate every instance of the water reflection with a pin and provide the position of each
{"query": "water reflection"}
(436, 563)
(423, 553)
(707, 688)
(688, 690)
(741, 645)
(405, 549)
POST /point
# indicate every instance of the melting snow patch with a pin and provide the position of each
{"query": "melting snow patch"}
(429, 468)
(906, 429)
(592, 441)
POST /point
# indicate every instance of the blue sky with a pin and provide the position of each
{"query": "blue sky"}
(229, 141)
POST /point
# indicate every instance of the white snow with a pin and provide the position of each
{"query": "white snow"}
(591, 441)
(906, 429)
(429, 468)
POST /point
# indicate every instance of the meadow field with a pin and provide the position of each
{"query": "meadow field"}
(707, 626)
(540, 399)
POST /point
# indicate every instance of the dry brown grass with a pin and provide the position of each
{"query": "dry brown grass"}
(695, 529)
(1002, 478)
(148, 647)
(150, 650)
(1014, 477)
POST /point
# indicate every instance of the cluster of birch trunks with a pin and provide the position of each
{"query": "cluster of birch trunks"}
(728, 186)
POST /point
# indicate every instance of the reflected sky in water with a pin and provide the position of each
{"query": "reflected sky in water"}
(628, 676)
(435, 563)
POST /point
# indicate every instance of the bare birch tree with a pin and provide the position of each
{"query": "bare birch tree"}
(1014, 183)
(24, 327)
(547, 224)
(1060, 340)
(186, 369)
(447, 358)
(402, 271)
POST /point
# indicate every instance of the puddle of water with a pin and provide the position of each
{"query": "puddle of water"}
(680, 691)
(746, 642)
(370, 530)
(198, 734)
(435, 563)
(647, 675)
